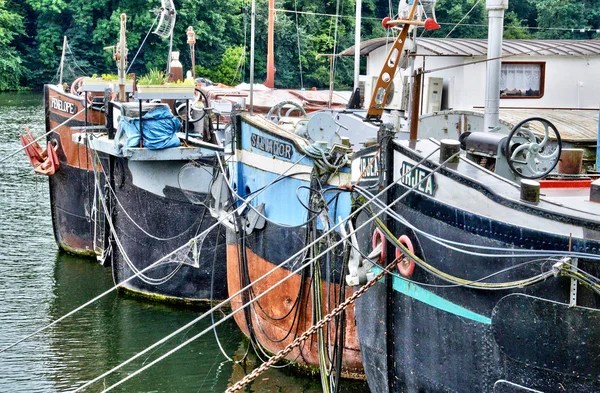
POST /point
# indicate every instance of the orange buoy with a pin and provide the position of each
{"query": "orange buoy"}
(378, 237)
(406, 267)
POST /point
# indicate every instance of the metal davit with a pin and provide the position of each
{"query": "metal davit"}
(420, 13)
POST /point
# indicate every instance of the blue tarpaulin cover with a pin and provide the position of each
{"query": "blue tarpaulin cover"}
(159, 129)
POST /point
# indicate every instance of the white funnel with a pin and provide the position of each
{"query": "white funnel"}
(492, 86)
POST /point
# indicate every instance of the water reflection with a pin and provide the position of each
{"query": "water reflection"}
(117, 327)
(38, 284)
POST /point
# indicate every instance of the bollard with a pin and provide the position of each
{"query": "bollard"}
(448, 148)
(530, 191)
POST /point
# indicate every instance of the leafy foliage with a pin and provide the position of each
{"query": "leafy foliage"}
(31, 35)
(11, 67)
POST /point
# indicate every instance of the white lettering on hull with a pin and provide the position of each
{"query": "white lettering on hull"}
(63, 106)
(416, 178)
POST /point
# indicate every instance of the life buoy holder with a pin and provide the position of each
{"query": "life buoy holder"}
(406, 266)
(44, 161)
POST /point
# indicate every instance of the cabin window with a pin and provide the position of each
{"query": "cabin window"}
(522, 80)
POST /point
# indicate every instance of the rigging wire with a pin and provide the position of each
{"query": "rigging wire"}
(142, 45)
(509, 253)
(212, 284)
(40, 137)
(463, 18)
(531, 281)
(193, 244)
(299, 49)
(551, 46)
(241, 66)
(84, 72)
(571, 29)
(206, 231)
(238, 293)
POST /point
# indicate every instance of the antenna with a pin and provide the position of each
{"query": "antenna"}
(166, 24)
(166, 21)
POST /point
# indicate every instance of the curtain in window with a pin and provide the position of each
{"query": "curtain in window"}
(521, 77)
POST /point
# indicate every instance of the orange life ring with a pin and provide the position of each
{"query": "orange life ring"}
(406, 267)
(76, 85)
(378, 237)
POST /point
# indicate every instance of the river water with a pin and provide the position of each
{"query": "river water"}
(39, 284)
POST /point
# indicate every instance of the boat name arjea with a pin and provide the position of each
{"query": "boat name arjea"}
(370, 169)
(412, 177)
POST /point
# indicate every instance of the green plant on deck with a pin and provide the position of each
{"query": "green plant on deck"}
(153, 77)
(186, 82)
(110, 77)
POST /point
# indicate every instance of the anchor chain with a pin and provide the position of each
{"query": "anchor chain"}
(299, 340)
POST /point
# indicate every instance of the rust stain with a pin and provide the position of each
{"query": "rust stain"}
(277, 305)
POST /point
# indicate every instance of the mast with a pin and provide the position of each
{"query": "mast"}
(122, 58)
(191, 35)
(357, 43)
(492, 87)
(62, 61)
(252, 28)
(270, 81)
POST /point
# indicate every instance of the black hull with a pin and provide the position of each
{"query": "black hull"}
(71, 203)
(175, 221)
(435, 338)
(72, 187)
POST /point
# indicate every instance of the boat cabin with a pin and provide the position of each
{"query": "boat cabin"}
(557, 80)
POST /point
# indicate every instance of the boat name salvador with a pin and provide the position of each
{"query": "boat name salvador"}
(271, 146)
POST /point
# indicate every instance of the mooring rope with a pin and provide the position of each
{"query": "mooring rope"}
(222, 304)
(312, 330)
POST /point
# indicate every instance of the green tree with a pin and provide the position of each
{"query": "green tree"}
(560, 14)
(450, 14)
(513, 29)
(229, 69)
(11, 67)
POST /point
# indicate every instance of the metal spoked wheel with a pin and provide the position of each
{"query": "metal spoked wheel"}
(275, 113)
(528, 157)
(200, 103)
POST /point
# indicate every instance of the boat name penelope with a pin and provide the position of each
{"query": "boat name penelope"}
(412, 177)
(271, 146)
(63, 106)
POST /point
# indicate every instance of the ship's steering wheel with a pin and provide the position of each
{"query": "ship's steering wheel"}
(275, 112)
(200, 102)
(527, 156)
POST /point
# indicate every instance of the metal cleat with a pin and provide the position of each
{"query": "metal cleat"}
(255, 219)
(219, 192)
(359, 270)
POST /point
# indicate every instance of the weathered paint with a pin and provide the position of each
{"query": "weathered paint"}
(279, 302)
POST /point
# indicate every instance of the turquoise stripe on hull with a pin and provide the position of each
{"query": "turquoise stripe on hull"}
(427, 297)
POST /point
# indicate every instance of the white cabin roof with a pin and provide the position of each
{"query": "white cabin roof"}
(470, 47)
